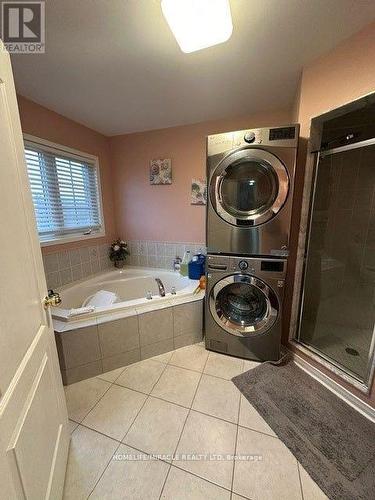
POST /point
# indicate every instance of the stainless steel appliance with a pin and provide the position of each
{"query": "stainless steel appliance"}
(250, 184)
(243, 306)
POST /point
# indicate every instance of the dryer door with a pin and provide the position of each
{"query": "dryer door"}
(243, 305)
(249, 187)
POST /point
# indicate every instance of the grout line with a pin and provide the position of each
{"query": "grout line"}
(166, 400)
(190, 409)
(121, 442)
(259, 432)
(105, 468)
(113, 381)
(200, 477)
(175, 465)
(144, 403)
(165, 480)
(183, 428)
(99, 432)
(300, 480)
(235, 442)
(92, 407)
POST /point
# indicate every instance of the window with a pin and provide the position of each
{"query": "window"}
(65, 191)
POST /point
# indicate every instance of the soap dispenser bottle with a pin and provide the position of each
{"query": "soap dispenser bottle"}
(184, 268)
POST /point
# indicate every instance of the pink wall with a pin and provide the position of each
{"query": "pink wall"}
(46, 124)
(340, 76)
(164, 213)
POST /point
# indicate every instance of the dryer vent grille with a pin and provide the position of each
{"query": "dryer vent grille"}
(216, 345)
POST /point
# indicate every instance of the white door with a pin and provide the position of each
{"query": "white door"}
(34, 437)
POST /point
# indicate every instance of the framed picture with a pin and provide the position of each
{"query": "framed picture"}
(198, 192)
(161, 171)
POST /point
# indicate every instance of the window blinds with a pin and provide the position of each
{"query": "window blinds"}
(65, 192)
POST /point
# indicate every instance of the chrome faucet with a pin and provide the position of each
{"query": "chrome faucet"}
(160, 286)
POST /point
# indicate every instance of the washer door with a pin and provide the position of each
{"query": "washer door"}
(243, 305)
(249, 187)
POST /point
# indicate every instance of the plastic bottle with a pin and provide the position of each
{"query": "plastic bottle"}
(184, 268)
(196, 267)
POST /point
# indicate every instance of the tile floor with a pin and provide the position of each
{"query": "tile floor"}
(182, 407)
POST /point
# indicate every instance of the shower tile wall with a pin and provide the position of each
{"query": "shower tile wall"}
(72, 265)
(340, 274)
(349, 218)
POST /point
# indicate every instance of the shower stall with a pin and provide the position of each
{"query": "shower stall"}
(337, 303)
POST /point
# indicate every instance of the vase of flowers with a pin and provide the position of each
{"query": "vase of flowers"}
(118, 253)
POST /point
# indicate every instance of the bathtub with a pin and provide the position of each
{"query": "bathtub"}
(131, 285)
(132, 328)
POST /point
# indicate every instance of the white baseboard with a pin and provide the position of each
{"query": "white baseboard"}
(340, 391)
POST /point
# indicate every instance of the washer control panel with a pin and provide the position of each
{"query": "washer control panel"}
(272, 267)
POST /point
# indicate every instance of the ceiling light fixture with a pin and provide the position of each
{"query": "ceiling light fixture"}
(198, 24)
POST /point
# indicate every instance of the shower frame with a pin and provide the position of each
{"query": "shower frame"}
(313, 156)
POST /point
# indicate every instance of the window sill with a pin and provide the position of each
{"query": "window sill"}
(71, 238)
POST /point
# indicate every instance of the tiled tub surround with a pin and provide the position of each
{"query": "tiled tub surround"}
(140, 333)
(160, 253)
(72, 265)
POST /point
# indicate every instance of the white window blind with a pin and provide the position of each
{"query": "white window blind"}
(65, 192)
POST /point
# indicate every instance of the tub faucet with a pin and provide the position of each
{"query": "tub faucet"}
(160, 286)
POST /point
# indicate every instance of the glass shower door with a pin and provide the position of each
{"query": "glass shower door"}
(337, 314)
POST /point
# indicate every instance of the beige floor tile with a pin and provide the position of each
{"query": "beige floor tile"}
(163, 358)
(177, 385)
(208, 436)
(217, 397)
(185, 486)
(72, 426)
(157, 428)
(131, 479)
(192, 357)
(115, 412)
(89, 455)
(237, 497)
(250, 418)
(310, 489)
(141, 376)
(248, 364)
(221, 365)
(82, 396)
(112, 375)
(274, 475)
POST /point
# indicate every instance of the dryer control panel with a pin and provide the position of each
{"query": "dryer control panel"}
(285, 137)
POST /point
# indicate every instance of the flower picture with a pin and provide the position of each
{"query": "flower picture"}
(161, 171)
(198, 192)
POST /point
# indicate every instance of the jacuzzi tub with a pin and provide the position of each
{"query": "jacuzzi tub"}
(129, 330)
(131, 285)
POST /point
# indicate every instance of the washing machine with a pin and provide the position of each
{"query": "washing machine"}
(250, 189)
(243, 306)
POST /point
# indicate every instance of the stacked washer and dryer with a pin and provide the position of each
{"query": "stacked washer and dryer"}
(250, 186)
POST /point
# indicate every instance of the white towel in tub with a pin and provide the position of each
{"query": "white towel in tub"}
(102, 298)
(80, 310)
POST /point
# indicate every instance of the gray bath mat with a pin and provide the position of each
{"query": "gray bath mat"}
(333, 442)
